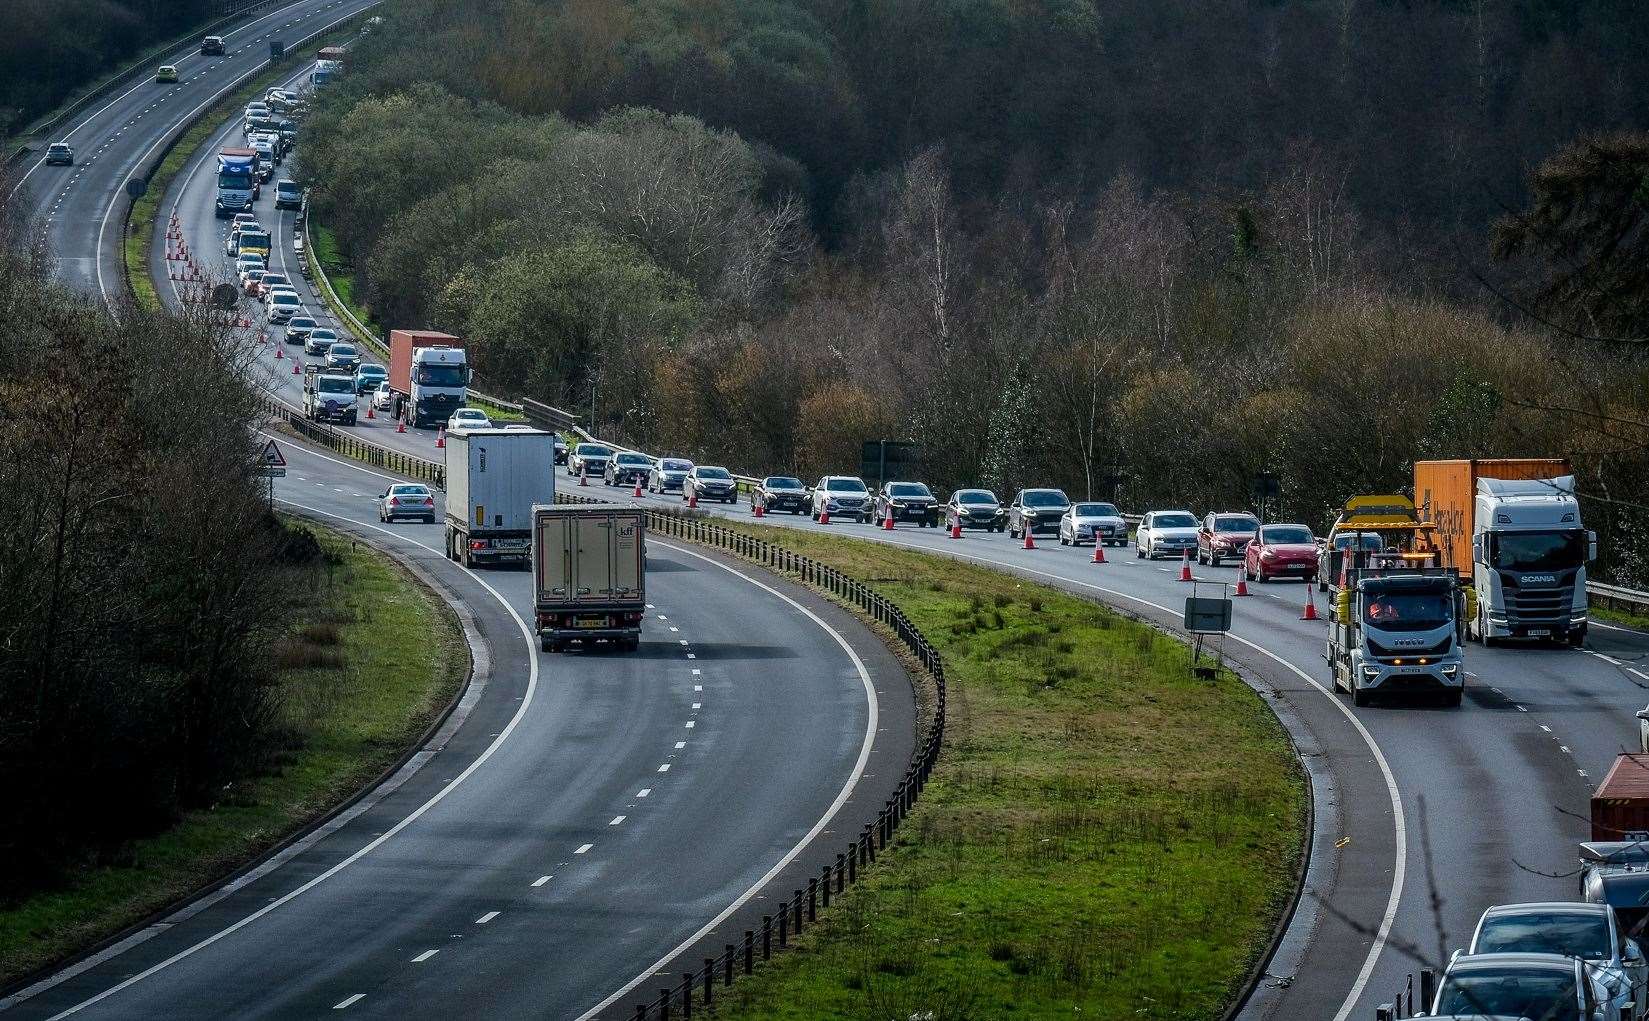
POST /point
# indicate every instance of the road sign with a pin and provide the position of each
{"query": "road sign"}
(880, 460)
(272, 471)
(1205, 616)
(273, 458)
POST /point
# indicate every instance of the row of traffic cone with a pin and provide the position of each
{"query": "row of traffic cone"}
(1308, 612)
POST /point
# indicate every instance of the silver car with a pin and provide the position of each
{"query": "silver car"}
(407, 500)
(844, 496)
(1590, 932)
(588, 459)
(1093, 522)
(1166, 534)
(1511, 985)
(668, 473)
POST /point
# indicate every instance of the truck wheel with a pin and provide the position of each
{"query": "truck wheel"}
(1452, 698)
(1359, 696)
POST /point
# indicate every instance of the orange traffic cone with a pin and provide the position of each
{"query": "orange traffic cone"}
(1185, 566)
(369, 413)
(1310, 611)
(295, 370)
(757, 509)
(824, 516)
(692, 499)
(1099, 552)
(1242, 582)
(279, 354)
(956, 529)
(1030, 542)
(583, 475)
(887, 522)
(401, 426)
(637, 493)
(441, 438)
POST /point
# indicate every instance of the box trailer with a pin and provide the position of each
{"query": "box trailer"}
(494, 479)
(1620, 805)
(589, 574)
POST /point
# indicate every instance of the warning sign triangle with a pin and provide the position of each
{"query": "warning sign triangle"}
(272, 456)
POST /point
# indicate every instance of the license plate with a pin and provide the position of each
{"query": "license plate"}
(511, 543)
(593, 623)
(1539, 632)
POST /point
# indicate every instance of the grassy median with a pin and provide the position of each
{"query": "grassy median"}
(1104, 837)
(372, 658)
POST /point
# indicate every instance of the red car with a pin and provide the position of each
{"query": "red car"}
(1281, 551)
(1223, 536)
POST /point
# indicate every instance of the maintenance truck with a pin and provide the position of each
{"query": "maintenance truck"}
(589, 574)
(328, 396)
(1398, 629)
(494, 478)
(429, 374)
(1512, 526)
(1373, 531)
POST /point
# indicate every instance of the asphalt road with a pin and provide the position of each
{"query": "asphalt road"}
(79, 209)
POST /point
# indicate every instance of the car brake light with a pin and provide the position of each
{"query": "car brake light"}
(478, 544)
(429, 501)
(395, 500)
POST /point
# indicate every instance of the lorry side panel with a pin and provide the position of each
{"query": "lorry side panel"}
(525, 472)
(628, 558)
(401, 343)
(1445, 492)
(458, 479)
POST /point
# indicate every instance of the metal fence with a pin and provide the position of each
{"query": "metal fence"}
(433, 472)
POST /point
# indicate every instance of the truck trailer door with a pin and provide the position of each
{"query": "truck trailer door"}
(592, 541)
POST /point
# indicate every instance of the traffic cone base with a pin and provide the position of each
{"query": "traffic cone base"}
(295, 370)
(441, 439)
(369, 413)
(637, 493)
(583, 476)
(1310, 611)
(692, 500)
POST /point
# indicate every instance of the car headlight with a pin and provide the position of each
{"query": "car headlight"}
(1449, 671)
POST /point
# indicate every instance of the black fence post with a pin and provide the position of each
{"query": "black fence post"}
(686, 995)
(750, 950)
(709, 980)
(824, 884)
(664, 1005)
(799, 903)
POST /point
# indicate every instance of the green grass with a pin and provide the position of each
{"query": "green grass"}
(372, 658)
(1104, 836)
(1621, 617)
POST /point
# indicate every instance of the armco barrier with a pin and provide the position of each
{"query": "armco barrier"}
(348, 445)
(836, 872)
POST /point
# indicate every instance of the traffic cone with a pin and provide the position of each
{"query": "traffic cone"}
(295, 370)
(1030, 541)
(887, 522)
(1310, 611)
(1242, 582)
(441, 438)
(401, 426)
(583, 475)
(824, 516)
(956, 529)
(279, 354)
(1185, 566)
(637, 493)
(1099, 552)
(692, 500)
(757, 509)
(369, 413)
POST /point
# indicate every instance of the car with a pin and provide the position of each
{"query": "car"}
(288, 195)
(560, 450)
(319, 341)
(1036, 510)
(166, 73)
(1093, 522)
(781, 493)
(249, 261)
(255, 110)
(298, 328)
(668, 473)
(407, 500)
(708, 482)
(267, 295)
(60, 154)
(345, 357)
(1224, 536)
(1494, 986)
(469, 418)
(383, 398)
(627, 468)
(976, 508)
(1281, 551)
(1589, 932)
(368, 377)
(908, 501)
(841, 495)
(588, 459)
(269, 281)
(251, 280)
(1169, 533)
(212, 46)
(283, 305)
(267, 157)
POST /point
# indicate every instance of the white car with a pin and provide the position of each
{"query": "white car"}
(283, 305)
(251, 280)
(319, 341)
(246, 262)
(383, 398)
(1171, 533)
(470, 418)
(268, 294)
(1591, 932)
(1093, 522)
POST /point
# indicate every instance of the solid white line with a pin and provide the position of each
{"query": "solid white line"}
(426, 955)
(357, 998)
(375, 843)
(1640, 673)
(484, 919)
(1613, 627)
(583, 848)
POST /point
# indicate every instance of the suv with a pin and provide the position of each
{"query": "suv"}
(976, 508)
(588, 459)
(781, 492)
(1037, 510)
(212, 46)
(627, 469)
(288, 195)
(1225, 536)
(710, 483)
(59, 154)
(907, 501)
(842, 494)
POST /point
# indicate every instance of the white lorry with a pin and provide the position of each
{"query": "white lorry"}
(589, 574)
(494, 477)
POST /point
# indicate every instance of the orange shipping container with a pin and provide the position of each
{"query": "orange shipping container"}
(1445, 493)
(401, 345)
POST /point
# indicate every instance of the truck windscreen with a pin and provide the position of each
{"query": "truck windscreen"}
(1407, 610)
(335, 385)
(442, 375)
(1538, 551)
(235, 177)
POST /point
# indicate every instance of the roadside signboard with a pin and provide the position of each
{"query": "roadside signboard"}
(274, 462)
(1204, 616)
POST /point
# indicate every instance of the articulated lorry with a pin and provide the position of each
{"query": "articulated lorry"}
(1398, 629)
(1512, 526)
(494, 479)
(429, 374)
(589, 574)
(237, 181)
(329, 63)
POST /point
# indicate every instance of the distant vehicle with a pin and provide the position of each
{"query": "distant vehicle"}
(708, 482)
(283, 305)
(264, 146)
(1165, 534)
(627, 469)
(241, 219)
(1398, 535)
(430, 373)
(1281, 551)
(166, 73)
(495, 479)
(344, 358)
(59, 154)
(588, 459)
(319, 341)
(560, 450)
(251, 241)
(1224, 536)
(212, 46)
(469, 418)
(1490, 987)
(908, 501)
(299, 327)
(370, 377)
(328, 396)
(589, 575)
(267, 295)
(1590, 932)
(252, 281)
(1093, 522)
(668, 473)
(976, 508)
(238, 186)
(245, 263)
(1036, 510)
(781, 493)
(384, 397)
(268, 282)
(407, 500)
(288, 195)
(1398, 630)
(843, 496)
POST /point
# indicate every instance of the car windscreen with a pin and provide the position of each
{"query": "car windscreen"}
(1045, 498)
(1362, 540)
(782, 482)
(907, 489)
(1548, 995)
(1094, 510)
(1235, 524)
(1399, 610)
(442, 375)
(300, 323)
(1568, 933)
(592, 450)
(633, 459)
(845, 486)
(342, 351)
(714, 473)
(1285, 534)
(1173, 521)
(285, 299)
(983, 496)
(335, 385)
(675, 464)
(372, 370)
(323, 336)
(408, 491)
(1538, 551)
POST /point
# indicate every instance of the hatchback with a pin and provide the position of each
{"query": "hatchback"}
(283, 305)
(319, 341)
(166, 73)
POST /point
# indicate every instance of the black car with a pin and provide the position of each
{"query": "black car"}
(1037, 510)
(708, 483)
(627, 469)
(907, 501)
(560, 450)
(976, 508)
(782, 493)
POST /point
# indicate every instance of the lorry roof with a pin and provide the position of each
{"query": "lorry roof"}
(1628, 778)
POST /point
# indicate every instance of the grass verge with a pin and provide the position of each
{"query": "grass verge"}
(1104, 836)
(1632, 620)
(372, 658)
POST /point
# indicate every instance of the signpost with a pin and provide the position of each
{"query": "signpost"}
(274, 467)
(1206, 616)
(876, 457)
(1266, 487)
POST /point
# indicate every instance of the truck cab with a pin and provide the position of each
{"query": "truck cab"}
(237, 181)
(1529, 556)
(1398, 630)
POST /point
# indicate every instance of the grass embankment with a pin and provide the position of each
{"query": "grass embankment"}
(1104, 836)
(1632, 620)
(371, 659)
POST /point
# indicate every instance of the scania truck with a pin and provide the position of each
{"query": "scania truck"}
(494, 479)
(1398, 630)
(1513, 527)
(429, 374)
(237, 181)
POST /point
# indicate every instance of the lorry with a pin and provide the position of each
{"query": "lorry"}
(1398, 629)
(329, 62)
(1374, 530)
(589, 574)
(328, 396)
(1513, 528)
(429, 374)
(1620, 804)
(494, 478)
(237, 181)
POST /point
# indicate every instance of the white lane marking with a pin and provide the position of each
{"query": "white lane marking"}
(697, 705)
(1564, 749)
(644, 792)
(1613, 627)
(689, 724)
(872, 717)
(664, 768)
(675, 629)
(616, 820)
(378, 841)
(1612, 661)
(583, 848)
(1640, 673)
(698, 687)
(690, 655)
(426, 955)
(697, 672)
(1545, 728)
(484, 919)
(681, 640)
(349, 1001)
(680, 745)
(1522, 708)
(541, 880)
